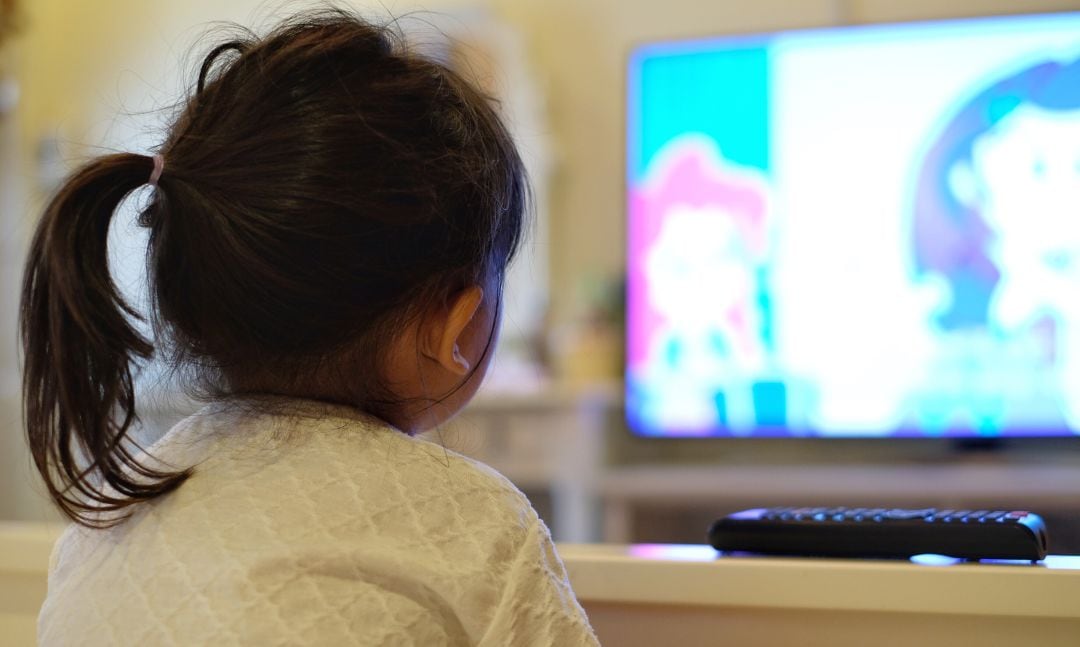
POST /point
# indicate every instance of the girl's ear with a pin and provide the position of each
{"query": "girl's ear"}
(445, 330)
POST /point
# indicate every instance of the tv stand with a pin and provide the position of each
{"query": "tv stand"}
(979, 444)
(728, 488)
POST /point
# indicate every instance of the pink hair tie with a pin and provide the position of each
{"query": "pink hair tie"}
(159, 166)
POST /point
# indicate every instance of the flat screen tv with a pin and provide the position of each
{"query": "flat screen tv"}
(866, 231)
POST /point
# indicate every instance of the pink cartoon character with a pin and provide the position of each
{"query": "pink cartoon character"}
(699, 242)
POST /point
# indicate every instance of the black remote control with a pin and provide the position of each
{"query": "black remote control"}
(882, 532)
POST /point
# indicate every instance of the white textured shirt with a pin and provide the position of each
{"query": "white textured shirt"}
(314, 526)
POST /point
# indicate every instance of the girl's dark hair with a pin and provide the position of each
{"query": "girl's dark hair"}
(322, 186)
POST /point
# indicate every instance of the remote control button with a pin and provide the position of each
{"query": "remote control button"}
(1017, 514)
(997, 514)
(904, 515)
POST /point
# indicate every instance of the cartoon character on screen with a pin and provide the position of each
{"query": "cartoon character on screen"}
(704, 263)
(997, 217)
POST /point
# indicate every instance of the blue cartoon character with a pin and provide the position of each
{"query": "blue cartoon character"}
(996, 211)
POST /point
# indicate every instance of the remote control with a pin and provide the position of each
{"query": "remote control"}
(882, 532)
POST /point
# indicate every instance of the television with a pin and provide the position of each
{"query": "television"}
(866, 231)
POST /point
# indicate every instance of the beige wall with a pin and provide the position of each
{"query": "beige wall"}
(81, 64)
(88, 61)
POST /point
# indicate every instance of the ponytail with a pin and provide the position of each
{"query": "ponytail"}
(79, 345)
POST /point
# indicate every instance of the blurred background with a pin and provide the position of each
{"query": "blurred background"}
(82, 78)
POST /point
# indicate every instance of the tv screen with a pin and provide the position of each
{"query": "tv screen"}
(867, 231)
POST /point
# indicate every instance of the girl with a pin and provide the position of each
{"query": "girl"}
(330, 221)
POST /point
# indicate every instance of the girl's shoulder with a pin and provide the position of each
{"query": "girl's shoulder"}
(316, 460)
